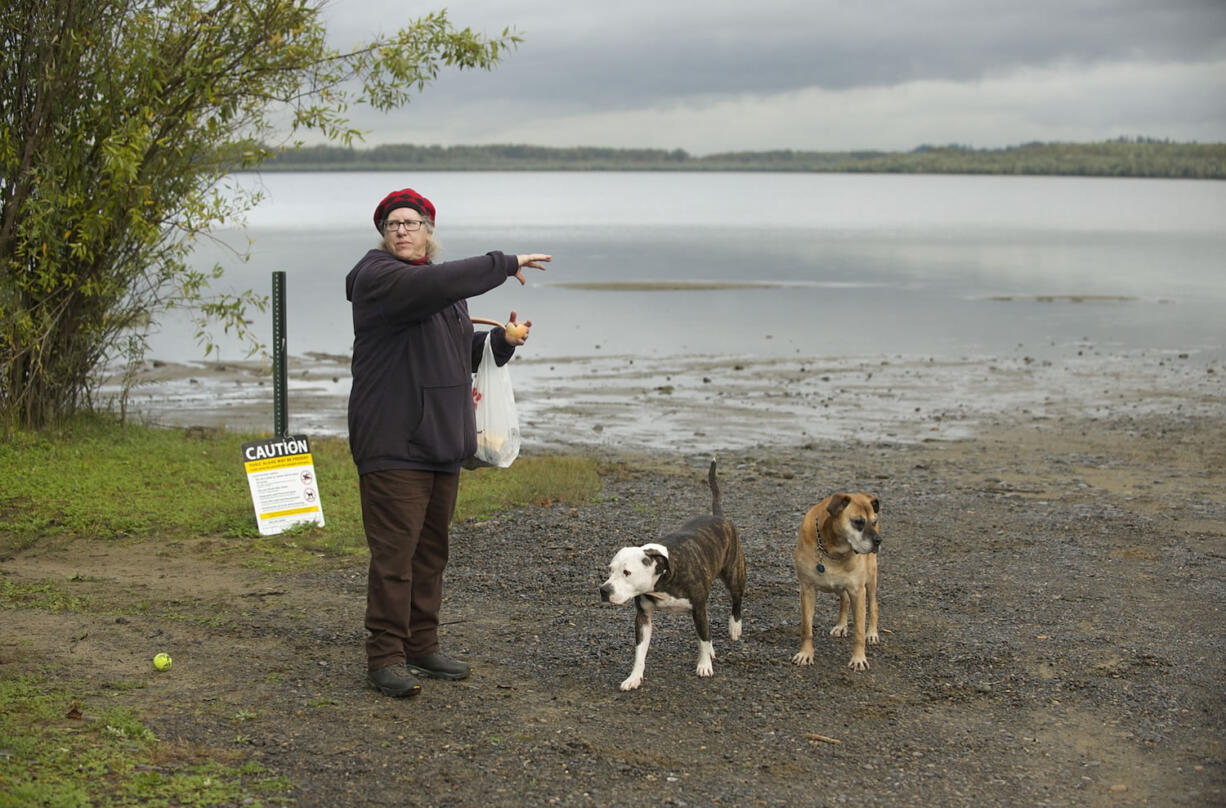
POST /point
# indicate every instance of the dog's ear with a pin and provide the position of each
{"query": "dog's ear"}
(837, 503)
(876, 503)
(659, 559)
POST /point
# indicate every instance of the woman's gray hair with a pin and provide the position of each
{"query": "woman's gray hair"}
(433, 248)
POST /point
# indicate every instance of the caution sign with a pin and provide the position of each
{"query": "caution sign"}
(284, 490)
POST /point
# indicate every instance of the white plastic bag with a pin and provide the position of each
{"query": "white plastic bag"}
(497, 417)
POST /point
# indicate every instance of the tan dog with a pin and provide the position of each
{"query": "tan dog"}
(837, 552)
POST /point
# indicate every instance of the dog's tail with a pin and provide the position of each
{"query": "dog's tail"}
(716, 508)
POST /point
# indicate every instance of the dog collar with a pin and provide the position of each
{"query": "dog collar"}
(822, 550)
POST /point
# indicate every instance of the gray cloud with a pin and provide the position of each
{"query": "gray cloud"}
(642, 55)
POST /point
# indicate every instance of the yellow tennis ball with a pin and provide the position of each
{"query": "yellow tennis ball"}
(161, 661)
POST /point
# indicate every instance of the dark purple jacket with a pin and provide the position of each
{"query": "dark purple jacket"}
(414, 353)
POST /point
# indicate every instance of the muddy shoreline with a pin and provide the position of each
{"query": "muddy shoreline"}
(713, 403)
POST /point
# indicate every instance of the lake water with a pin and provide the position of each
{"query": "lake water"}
(847, 265)
(882, 307)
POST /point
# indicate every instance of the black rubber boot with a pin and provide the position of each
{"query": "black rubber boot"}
(393, 681)
(437, 666)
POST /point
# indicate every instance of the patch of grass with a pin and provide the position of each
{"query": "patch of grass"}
(48, 595)
(543, 481)
(58, 754)
(97, 479)
(53, 595)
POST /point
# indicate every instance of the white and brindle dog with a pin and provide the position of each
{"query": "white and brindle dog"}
(836, 551)
(675, 574)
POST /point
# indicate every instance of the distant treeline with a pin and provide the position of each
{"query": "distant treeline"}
(1136, 157)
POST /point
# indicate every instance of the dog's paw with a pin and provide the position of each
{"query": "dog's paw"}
(706, 655)
(803, 658)
(632, 683)
(734, 629)
(858, 663)
(839, 631)
(871, 638)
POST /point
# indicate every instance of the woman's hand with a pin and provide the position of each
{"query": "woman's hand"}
(514, 332)
(533, 260)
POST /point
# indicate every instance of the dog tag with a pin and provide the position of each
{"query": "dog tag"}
(821, 568)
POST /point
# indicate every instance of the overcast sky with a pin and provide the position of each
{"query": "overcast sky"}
(823, 75)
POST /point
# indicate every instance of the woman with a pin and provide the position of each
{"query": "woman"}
(411, 425)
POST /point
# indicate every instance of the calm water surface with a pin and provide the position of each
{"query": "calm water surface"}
(848, 265)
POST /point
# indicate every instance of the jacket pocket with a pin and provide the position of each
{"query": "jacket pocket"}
(443, 433)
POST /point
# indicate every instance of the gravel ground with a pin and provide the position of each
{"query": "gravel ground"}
(1052, 597)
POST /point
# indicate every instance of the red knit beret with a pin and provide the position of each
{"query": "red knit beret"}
(404, 198)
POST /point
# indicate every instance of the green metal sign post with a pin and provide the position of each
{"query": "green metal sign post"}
(280, 408)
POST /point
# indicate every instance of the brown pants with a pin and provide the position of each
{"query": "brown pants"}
(406, 515)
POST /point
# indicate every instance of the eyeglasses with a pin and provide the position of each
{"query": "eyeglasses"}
(411, 225)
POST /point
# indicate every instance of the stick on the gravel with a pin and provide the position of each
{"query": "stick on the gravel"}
(813, 736)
